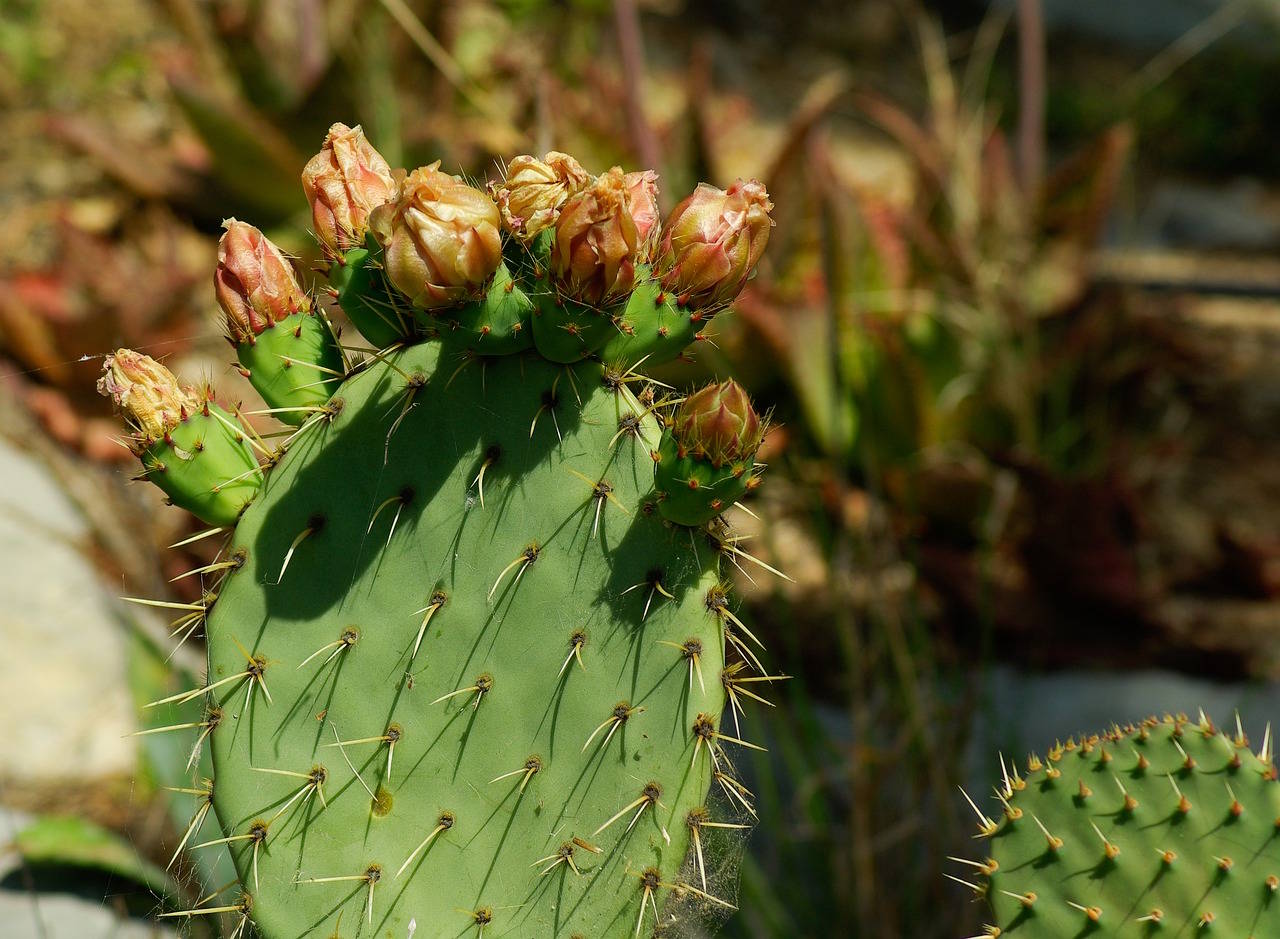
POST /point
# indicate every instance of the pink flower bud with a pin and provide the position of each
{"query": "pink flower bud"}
(146, 392)
(719, 423)
(533, 191)
(642, 202)
(254, 282)
(712, 242)
(344, 182)
(440, 238)
(597, 243)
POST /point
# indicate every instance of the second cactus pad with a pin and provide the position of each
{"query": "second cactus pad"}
(1166, 828)
(530, 761)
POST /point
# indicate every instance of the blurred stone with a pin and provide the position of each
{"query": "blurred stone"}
(1235, 216)
(61, 916)
(64, 702)
(1153, 24)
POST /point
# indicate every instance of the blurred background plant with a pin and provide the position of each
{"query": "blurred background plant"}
(1018, 323)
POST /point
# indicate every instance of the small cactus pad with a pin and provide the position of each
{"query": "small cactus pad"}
(1165, 828)
(467, 669)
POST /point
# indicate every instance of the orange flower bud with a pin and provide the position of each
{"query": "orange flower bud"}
(712, 242)
(344, 182)
(533, 191)
(440, 238)
(146, 392)
(597, 243)
(718, 422)
(254, 282)
(642, 203)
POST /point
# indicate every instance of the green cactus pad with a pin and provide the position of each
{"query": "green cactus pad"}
(294, 364)
(651, 329)
(529, 260)
(567, 683)
(365, 297)
(692, 491)
(565, 330)
(496, 325)
(205, 465)
(1166, 828)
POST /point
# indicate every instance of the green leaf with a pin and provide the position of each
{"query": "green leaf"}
(68, 841)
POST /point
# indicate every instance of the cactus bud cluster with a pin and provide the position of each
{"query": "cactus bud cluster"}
(615, 281)
(441, 238)
(345, 182)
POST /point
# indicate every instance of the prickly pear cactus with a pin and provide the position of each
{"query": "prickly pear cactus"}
(1165, 828)
(468, 663)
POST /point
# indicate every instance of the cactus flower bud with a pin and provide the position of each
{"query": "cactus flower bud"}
(705, 461)
(254, 282)
(597, 244)
(533, 191)
(189, 447)
(712, 241)
(642, 202)
(344, 182)
(440, 238)
(146, 392)
(719, 423)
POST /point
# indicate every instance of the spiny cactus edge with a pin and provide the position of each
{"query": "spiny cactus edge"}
(1167, 827)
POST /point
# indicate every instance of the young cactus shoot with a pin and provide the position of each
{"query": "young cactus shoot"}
(471, 641)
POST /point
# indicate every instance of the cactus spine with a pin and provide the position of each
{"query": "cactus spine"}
(469, 663)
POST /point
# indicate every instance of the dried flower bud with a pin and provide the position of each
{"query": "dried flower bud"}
(597, 244)
(533, 191)
(712, 241)
(344, 182)
(146, 392)
(440, 237)
(719, 423)
(254, 282)
(642, 203)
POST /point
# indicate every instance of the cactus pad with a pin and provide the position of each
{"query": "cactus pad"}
(467, 664)
(535, 577)
(1166, 828)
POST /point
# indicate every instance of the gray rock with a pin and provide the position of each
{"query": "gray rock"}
(59, 916)
(1027, 712)
(64, 702)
